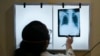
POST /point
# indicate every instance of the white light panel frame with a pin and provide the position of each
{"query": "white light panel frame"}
(48, 14)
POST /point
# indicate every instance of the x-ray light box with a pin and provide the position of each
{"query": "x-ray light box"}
(48, 15)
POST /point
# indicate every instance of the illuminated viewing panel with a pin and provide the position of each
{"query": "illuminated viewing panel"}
(70, 20)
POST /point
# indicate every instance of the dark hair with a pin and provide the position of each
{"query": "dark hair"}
(35, 31)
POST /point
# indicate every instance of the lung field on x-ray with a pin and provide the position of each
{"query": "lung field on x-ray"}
(75, 20)
(65, 20)
(75, 17)
(68, 19)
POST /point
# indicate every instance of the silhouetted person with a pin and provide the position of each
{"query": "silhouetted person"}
(35, 40)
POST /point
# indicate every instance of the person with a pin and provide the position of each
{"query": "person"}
(35, 40)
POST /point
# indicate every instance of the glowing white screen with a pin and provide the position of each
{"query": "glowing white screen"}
(48, 14)
(25, 15)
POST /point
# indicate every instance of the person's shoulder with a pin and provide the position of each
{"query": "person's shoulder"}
(18, 52)
(61, 54)
(70, 52)
(46, 54)
(49, 54)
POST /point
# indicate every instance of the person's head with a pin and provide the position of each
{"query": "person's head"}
(35, 37)
(35, 31)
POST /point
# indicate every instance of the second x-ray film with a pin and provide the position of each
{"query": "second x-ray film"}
(69, 22)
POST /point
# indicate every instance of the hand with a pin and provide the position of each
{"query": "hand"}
(69, 42)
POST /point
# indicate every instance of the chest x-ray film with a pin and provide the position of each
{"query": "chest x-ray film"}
(69, 22)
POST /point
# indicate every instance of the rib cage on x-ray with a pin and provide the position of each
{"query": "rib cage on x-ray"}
(68, 19)
(74, 18)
